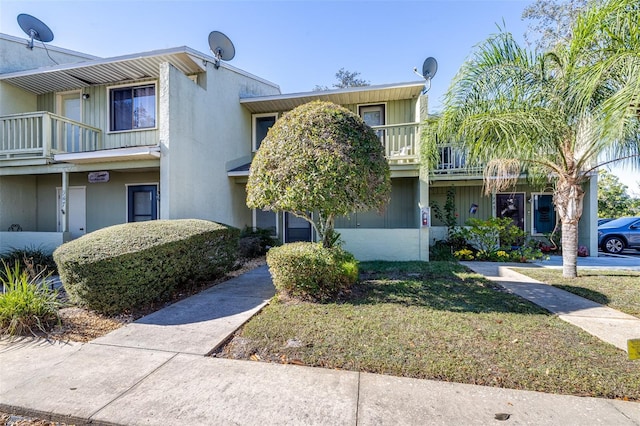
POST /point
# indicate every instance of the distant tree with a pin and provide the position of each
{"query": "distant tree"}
(560, 114)
(345, 79)
(320, 158)
(552, 21)
(613, 199)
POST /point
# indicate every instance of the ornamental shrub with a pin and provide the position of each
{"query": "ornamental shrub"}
(132, 265)
(34, 259)
(321, 158)
(27, 305)
(310, 271)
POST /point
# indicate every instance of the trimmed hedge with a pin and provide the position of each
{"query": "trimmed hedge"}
(128, 266)
(311, 271)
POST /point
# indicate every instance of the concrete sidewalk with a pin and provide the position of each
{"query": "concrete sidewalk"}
(153, 372)
(607, 324)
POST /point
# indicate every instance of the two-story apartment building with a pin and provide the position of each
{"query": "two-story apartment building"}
(94, 142)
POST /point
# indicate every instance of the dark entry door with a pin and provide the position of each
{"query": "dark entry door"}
(142, 203)
(296, 229)
(512, 206)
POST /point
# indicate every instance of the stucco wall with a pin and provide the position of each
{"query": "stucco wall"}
(200, 130)
(18, 202)
(14, 55)
(387, 244)
(45, 241)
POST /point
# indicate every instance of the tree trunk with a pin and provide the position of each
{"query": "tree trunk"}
(568, 199)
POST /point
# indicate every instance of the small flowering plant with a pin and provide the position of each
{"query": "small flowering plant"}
(583, 251)
(464, 254)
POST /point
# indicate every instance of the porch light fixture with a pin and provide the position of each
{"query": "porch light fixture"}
(86, 96)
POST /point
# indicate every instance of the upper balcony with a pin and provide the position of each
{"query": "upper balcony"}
(452, 164)
(34, 138)
(401, 142)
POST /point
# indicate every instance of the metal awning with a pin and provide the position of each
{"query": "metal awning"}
(106, 71)
(109, 155)
(348, 96)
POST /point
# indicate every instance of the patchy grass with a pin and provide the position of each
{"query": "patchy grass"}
(438, 321)
(616, 289)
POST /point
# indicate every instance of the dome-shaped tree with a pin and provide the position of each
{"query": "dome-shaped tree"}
(320, 158)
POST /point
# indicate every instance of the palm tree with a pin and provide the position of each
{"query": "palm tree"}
(557, 115)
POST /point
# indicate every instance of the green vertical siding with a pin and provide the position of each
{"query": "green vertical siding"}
(47, 102)
(401, 212)
(397, 112)
(465, 196)
(95, 113)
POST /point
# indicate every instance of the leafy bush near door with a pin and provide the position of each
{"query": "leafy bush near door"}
(497, 240)
(132, 265)
(310, 271)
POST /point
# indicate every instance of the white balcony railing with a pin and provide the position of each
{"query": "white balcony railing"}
(401, 142)
(453, 160)
(42, 134)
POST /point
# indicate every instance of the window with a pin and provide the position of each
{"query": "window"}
(373, 115)
(261, 125)
(266, 219)
(544, 214)
(132, 107)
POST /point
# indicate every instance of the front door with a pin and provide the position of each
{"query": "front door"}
(69, 135)
(296, 229)
(511, 206)
(142, 203)
(76, 210)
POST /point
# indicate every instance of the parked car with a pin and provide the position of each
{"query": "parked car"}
(603, 221)
(618, 234)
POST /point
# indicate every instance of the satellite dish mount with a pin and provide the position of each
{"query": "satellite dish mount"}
(429, 69)
(221, 47)
(35, 29)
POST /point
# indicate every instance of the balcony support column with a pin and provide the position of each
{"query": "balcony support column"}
(64, 205)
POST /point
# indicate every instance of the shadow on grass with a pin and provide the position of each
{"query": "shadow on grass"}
(445, 286)
(592, 295)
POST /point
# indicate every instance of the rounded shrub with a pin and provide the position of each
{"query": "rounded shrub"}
(128, 266)
(310, 271)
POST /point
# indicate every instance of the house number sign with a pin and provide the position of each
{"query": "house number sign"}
(97, 177)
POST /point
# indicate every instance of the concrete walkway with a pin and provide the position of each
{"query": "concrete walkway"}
(607, 324)
(153, 372)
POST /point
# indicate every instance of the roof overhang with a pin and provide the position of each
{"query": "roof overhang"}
(109, 155)
(348, 96)
(107, 70)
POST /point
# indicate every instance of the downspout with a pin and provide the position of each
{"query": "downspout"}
(64, 205)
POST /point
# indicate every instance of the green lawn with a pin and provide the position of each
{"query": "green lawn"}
(439, 321)
(617, 289)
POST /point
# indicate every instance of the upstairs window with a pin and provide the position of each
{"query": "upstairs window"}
(261, 125)
(132, 108)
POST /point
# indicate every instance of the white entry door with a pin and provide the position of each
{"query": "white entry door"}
(76, 209)
(70, 106)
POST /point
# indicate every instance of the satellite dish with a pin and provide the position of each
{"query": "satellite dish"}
(429, 69)
(35, 29)
(221, 47)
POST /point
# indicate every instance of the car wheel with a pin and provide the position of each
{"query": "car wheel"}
(613, 245)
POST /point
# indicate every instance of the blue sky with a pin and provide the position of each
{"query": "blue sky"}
(296, 44)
